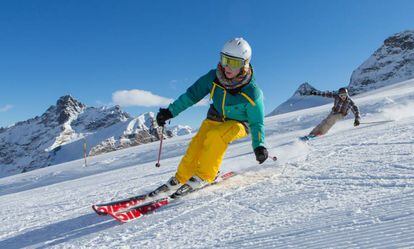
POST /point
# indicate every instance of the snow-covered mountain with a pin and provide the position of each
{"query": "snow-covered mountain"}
(60, 134)
(352, 188)
(299, 101)
(393, 62)
(180, 130)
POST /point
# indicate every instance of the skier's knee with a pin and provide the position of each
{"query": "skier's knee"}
(213, 137)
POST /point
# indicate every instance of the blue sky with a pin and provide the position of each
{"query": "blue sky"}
(93, 49)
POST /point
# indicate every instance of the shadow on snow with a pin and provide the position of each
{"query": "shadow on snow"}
(60, 232)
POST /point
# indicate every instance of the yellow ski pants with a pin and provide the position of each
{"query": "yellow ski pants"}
(207, 148)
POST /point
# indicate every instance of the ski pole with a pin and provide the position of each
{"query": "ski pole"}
(377, 122)
(159, 150)
(274, 158)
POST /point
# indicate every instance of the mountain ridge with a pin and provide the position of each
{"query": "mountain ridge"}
(62, 131)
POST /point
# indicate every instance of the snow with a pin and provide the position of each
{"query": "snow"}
(353, 188)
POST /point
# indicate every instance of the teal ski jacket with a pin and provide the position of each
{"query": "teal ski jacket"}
(245, 106)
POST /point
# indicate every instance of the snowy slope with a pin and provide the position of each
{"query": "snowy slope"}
(353, 188)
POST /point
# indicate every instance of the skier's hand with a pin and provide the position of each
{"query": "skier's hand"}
(356, 122)
(261, 154)
(163, 115)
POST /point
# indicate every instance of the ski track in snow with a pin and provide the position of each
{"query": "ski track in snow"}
(353, 188)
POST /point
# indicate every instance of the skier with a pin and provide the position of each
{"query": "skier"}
(237, 110)
(342, 104)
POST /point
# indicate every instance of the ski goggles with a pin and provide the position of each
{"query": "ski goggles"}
(232, 62)
(343, 95)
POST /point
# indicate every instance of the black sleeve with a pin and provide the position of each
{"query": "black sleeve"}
(354, 109)
(325, 94)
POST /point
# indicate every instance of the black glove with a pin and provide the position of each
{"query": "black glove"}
(356, 122)
(261, 154)
(163, 115)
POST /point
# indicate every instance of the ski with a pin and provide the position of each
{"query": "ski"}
(116, 206)
(136, 212)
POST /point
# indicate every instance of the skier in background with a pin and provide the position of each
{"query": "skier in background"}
(342, 104)
(237, 110)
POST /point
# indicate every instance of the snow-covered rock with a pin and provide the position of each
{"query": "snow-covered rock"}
(300, 101)
(133, 131)
(180, 130)
(393, 62)
(62, 132)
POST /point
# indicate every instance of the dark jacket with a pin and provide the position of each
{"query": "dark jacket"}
(340, 106)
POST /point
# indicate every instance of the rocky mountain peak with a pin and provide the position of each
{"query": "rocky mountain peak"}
(304, 88)
(403, 40)
(299, 100)
(393, 62)
(67, 106)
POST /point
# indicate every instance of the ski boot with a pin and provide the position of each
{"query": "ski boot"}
(307, 137)
(191, 185)
(171, 185)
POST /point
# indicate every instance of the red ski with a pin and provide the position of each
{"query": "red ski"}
(134, 213)
(137, 212)
(116, 206)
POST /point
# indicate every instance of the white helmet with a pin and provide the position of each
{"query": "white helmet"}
(239, 48)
